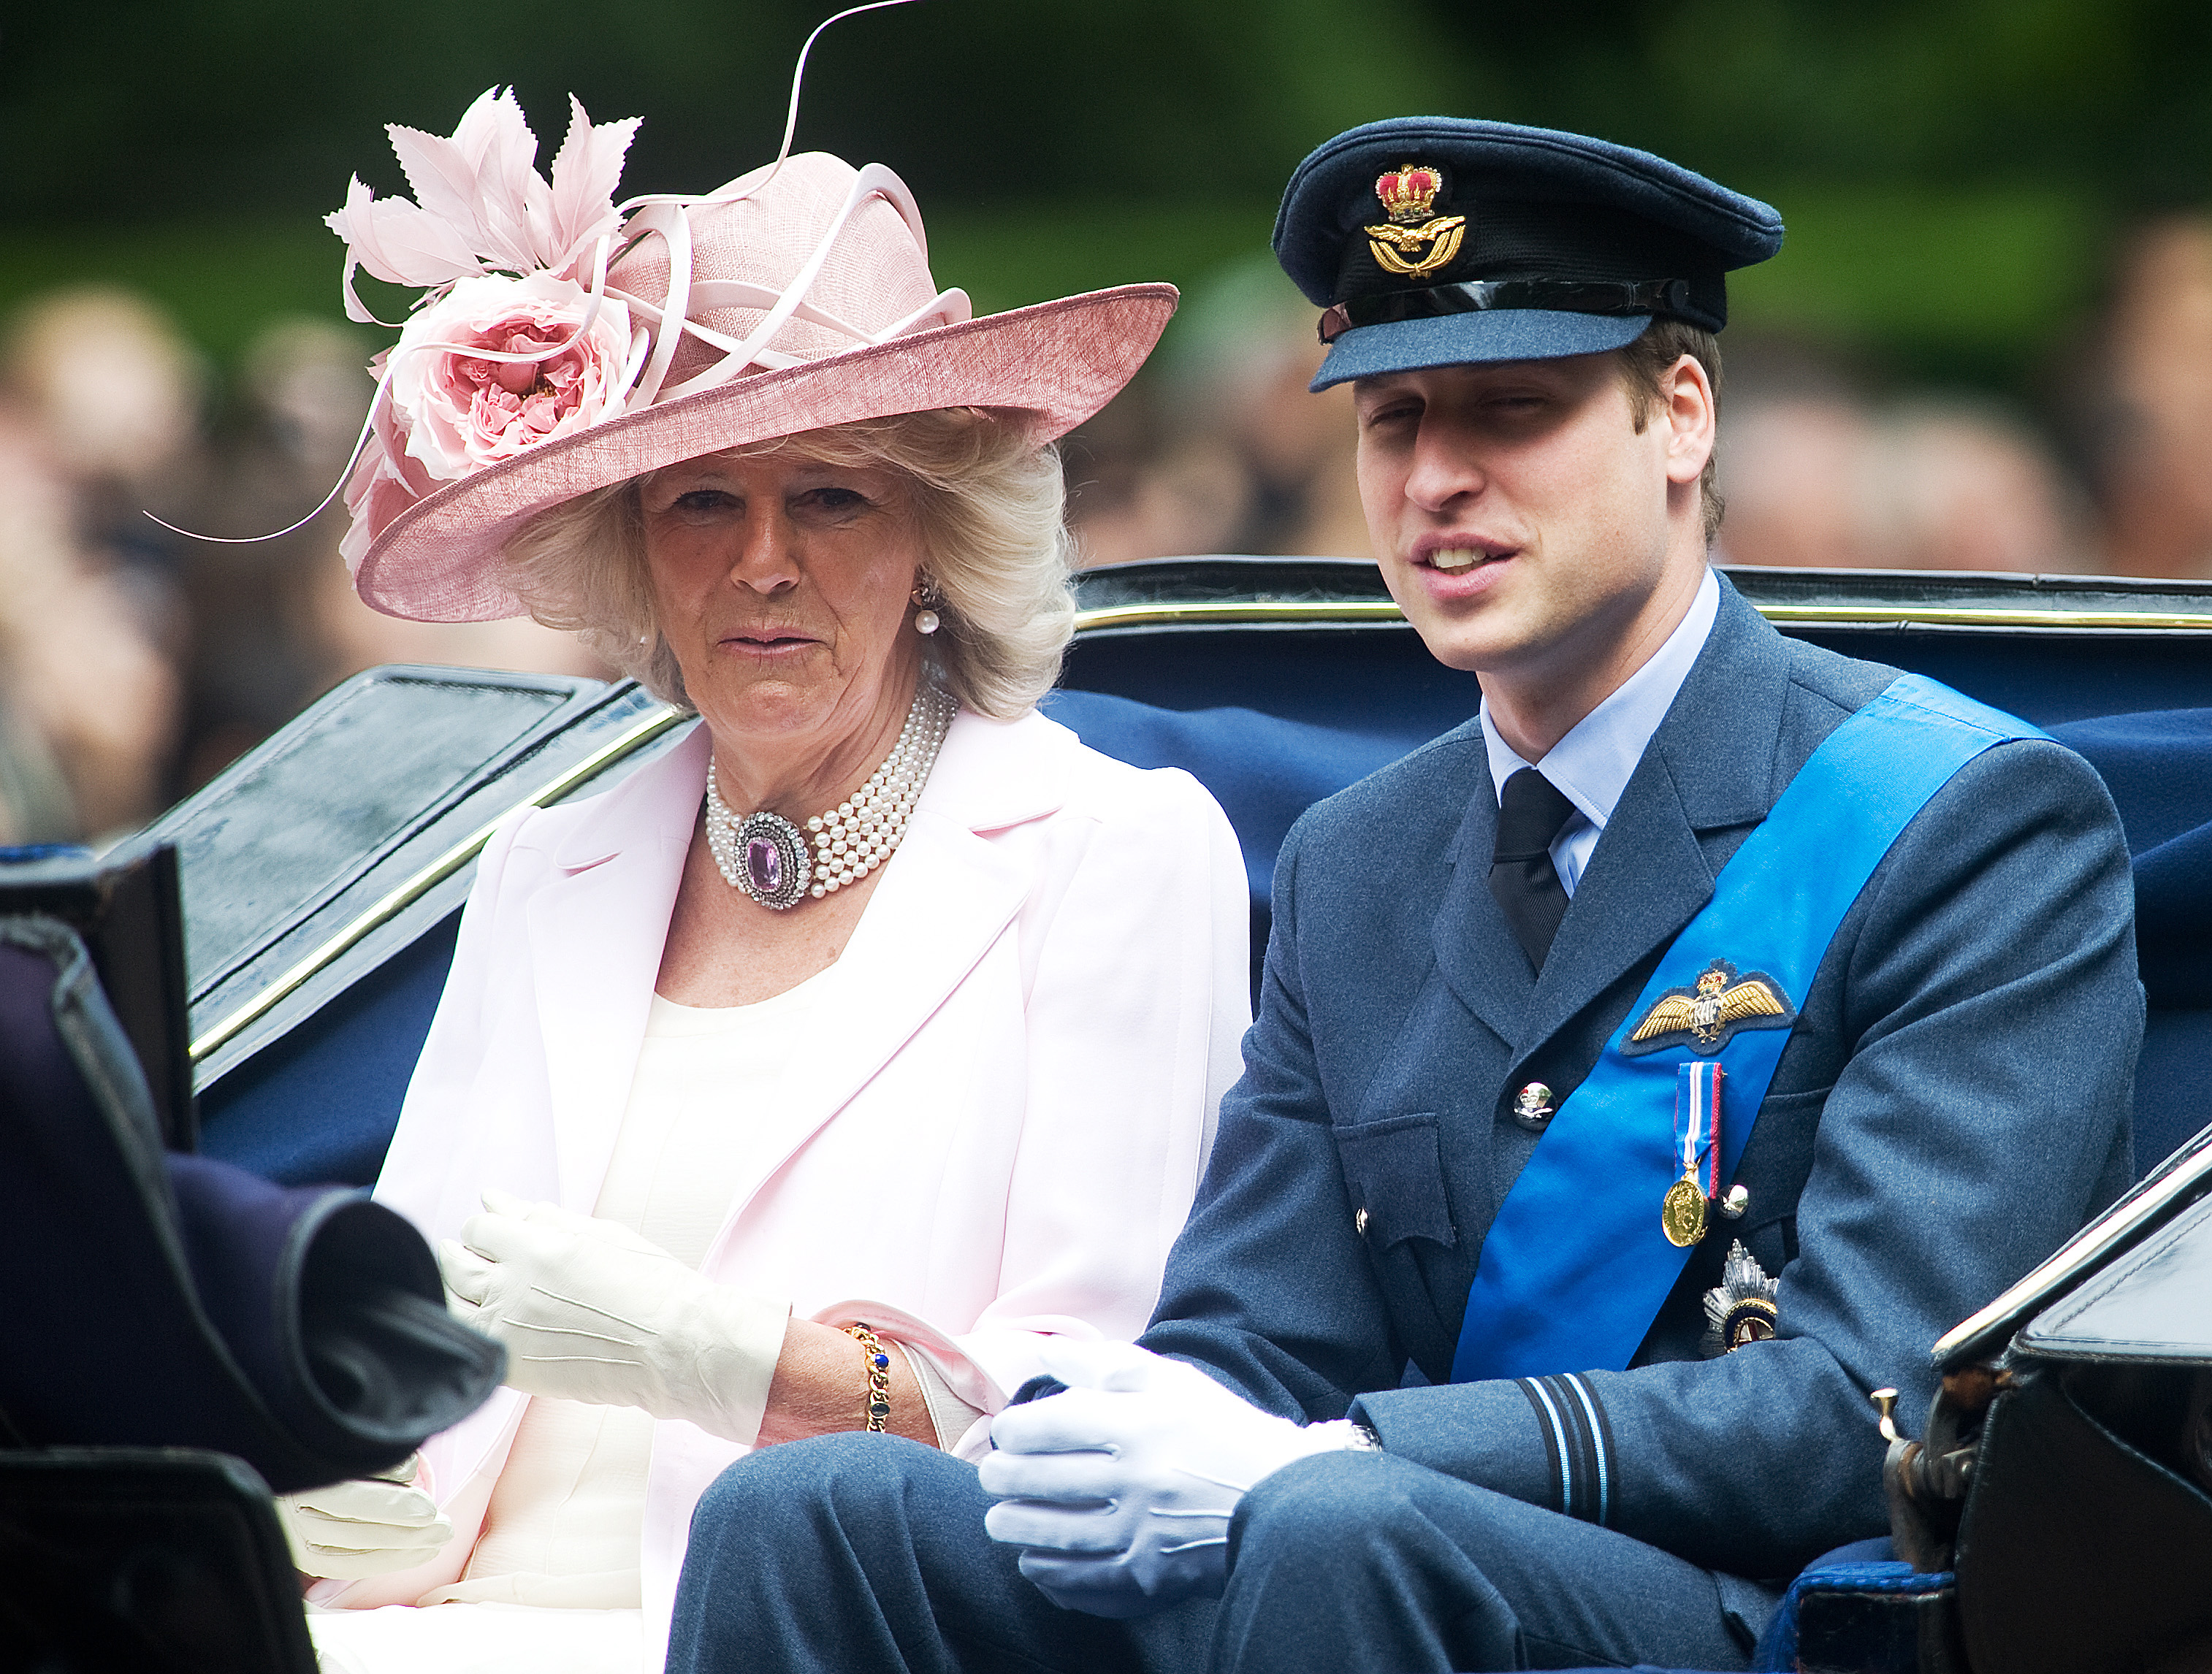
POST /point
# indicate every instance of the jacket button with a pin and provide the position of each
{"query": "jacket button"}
(1532, 1107)
(1359, 1221)
(1734, 1201)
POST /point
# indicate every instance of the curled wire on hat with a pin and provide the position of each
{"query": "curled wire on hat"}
(486, 234)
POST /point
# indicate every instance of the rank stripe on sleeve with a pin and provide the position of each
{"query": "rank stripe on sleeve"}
(1601, 1434)
(1579, 1441)
(1555, 1442)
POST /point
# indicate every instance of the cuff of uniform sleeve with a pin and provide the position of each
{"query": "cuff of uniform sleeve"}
(1487, 1433)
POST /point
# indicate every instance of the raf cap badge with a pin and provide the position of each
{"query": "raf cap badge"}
(1743, 1307)
(1705, 1017)
(1415, 241)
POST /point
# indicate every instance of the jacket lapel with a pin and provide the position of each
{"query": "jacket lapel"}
(944, 898)
(1709, 766)
(595, 945)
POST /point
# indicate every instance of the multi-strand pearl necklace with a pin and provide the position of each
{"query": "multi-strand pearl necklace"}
(770, 859)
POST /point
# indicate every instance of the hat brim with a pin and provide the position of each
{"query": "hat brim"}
(1473, 339)
(1058, 363)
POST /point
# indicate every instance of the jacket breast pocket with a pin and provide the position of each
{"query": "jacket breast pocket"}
(1394, 1172)
(1775, 1167)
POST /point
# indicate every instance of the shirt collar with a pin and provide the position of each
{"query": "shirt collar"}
(1592, 764)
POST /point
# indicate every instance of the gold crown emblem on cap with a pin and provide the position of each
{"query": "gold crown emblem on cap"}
(1415, 241)
(1409, 194)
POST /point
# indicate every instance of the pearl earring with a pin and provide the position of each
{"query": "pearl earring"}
(926, 619)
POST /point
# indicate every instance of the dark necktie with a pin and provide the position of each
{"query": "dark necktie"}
(1531, 814)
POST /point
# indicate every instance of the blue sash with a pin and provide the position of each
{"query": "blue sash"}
(1575, 1266)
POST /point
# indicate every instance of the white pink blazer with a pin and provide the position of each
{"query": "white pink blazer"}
(1006, 1116)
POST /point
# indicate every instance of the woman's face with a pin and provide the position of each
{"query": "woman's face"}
(783, 586)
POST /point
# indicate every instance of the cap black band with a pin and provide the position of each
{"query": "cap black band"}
(1571, 296)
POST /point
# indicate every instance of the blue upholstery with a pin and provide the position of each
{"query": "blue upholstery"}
(1265, 771)
(2157, 766)
(2170, 1103)
(1387, 681)
(1864, 1565)
(321, 1103)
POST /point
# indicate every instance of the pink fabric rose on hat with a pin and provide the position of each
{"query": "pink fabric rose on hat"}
(462, 412)
(502, 250)
(446, 413)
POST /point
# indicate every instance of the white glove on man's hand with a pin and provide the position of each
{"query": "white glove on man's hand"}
(589, 1311)
(376, 1526)
(1121, 1487)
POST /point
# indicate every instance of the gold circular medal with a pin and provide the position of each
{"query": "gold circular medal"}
(1682, 1214)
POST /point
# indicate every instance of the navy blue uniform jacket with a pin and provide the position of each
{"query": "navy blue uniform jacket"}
(1951, 1104)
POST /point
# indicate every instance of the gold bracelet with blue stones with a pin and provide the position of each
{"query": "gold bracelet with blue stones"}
(879, 1376)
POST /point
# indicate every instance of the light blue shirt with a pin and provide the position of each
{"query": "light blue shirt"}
(1592, 764)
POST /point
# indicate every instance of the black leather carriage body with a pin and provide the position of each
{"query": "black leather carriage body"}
(2059, 1504)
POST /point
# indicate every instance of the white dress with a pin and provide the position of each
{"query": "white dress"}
(551, 1586)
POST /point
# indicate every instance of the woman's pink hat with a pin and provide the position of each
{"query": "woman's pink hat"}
(539, 369)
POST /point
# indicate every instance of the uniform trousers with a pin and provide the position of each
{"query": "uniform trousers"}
(851, 1552)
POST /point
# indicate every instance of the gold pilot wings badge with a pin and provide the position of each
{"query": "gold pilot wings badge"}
(1705, 1017)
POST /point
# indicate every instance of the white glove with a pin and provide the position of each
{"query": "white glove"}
(1121, 1487)
(373, 1526)
(589, 1311)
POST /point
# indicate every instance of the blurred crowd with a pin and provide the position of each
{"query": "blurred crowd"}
(2110, 473)
(136, 663)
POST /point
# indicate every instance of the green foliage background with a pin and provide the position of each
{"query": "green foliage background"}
(1953, 171)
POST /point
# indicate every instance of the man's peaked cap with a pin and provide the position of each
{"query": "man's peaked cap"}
(1639, 236)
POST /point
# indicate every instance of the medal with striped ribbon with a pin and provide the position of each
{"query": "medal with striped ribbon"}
(1697, 1149)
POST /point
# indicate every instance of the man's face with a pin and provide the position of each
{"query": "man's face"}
(1521, 518)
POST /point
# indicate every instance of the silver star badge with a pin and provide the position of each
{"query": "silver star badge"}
(1743, 1307)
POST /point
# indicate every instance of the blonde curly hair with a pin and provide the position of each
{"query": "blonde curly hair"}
(987, 505)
